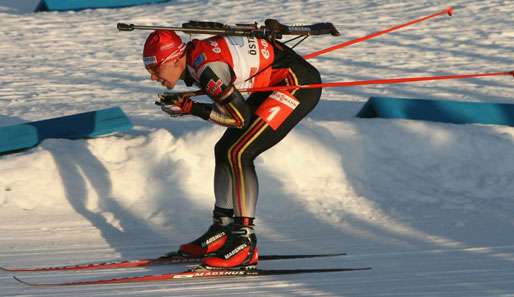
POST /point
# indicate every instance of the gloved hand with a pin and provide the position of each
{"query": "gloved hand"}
(177, 106)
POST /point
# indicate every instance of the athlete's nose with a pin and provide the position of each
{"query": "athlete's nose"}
(154, 77)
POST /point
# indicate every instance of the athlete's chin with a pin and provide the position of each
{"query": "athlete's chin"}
(168, 85)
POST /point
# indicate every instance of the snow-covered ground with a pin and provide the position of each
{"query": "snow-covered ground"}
(429, 206)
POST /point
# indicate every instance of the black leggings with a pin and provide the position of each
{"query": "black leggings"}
(235, 180)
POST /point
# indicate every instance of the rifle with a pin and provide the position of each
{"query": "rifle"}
(271, 30)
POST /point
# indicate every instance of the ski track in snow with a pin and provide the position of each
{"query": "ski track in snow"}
(427, 205)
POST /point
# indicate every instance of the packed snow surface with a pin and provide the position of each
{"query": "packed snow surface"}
(428, 206)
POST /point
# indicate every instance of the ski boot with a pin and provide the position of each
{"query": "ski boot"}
(240, 250)
(212, 240)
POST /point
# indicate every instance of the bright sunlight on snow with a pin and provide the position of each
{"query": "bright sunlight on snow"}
(429, 206)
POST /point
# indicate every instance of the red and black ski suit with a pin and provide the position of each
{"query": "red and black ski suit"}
(222, 65)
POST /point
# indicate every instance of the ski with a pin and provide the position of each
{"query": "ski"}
(191, 274)
(168, 260)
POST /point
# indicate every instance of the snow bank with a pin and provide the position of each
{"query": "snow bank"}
(428, 205)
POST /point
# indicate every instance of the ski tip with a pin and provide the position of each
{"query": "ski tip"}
(22, 281)
(6, 269)
(26, 283)
(349, 269)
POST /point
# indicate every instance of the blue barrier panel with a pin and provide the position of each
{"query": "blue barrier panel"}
(83, 125)
(456, 112)
(63, 5)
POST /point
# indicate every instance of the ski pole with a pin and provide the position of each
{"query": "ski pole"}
(448, 11)
(341, 84)
(375, 82)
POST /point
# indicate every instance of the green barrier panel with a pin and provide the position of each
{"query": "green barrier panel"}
(446, 111)
(63, 5)
(83, 125)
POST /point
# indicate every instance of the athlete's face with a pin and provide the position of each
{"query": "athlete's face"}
(168, 73)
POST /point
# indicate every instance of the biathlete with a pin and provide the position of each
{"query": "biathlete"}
(221, 65)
